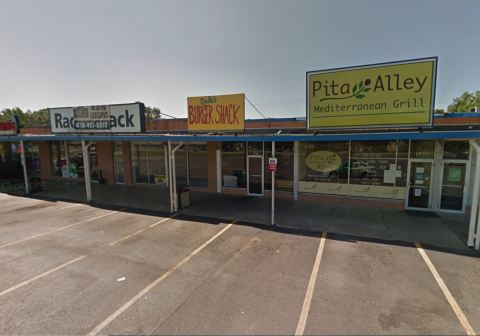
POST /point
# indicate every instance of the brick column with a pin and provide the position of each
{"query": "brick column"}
(105, 160)
(45, 160)
(212, 165)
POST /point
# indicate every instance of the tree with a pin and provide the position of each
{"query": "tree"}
(465, 102)
(152, 113)
(28, 118)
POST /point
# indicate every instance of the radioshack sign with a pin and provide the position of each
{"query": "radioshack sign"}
(121, 118)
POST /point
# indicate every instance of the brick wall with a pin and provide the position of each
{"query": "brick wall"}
(105, 160)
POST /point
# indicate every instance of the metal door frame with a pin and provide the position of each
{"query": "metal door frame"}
(465, 185)
(407, 193)
(248, 175)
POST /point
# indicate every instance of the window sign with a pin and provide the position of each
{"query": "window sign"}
(323, 161)
(454, 174)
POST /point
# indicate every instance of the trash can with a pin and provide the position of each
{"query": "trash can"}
(183, 197)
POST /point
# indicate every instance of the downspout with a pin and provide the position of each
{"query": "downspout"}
(473, 231)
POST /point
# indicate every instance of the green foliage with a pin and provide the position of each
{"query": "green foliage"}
(27, 118)
(465, 102)
(152, 113)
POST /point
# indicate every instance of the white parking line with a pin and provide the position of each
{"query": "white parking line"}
(165, 275)
(11, 289)
(140, 231)
(311, 287)
(70, 206)
(58, 229)
(448, 295)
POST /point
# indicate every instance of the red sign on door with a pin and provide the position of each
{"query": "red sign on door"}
(272, 164)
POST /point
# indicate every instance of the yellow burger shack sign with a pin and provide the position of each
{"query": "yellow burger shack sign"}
(380, 95)
(216, 113)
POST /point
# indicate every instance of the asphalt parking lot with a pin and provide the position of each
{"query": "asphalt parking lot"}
(71, 268)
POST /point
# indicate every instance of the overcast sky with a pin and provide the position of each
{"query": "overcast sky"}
(67, 53)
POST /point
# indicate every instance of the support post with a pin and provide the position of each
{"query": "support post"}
(67, 159)
(188, 164)
(166, 153)
(296, 146)
(273, 187)
(170, 184)
(24, 165)
(218, 163)
(473, 230)
(173, 181)
(86, 168)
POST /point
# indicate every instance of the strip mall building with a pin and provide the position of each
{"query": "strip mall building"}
(432, 168)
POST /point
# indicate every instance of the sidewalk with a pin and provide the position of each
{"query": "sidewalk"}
(355, 221)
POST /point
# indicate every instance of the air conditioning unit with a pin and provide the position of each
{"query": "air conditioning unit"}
(474, 109)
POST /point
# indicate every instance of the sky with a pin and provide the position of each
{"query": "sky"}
(70, 53)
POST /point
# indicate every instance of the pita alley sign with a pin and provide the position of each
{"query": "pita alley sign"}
(378, 95)
(216, 113)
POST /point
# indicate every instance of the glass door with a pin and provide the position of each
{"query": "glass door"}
(255, 175)
(453, 186)
(419, 184)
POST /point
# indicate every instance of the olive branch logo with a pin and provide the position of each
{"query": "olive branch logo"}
(359, 91)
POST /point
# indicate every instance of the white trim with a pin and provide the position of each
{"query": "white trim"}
(407, 191)
(465, 185)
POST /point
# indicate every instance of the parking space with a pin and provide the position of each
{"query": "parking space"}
(72, 268)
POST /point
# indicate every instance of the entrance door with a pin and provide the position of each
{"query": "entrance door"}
(453, 186)
(255, 175)
(419, 184)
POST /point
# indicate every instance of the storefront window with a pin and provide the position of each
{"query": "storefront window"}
(33, 159)
(324, 162)
(139, 162)
(76, 160)
(67, 160)
(118, 162)
(373, 163)
(422, 149)
(156, 163)
(456, 150)
(198, 164)
(284, 174)
(234, 164)
(181, 166)
(59, 159)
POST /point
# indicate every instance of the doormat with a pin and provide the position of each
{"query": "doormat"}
(422, 214)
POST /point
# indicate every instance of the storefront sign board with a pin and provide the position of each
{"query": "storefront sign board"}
(379, 95)
(8, 127)
(216, 113)
(117, 118)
